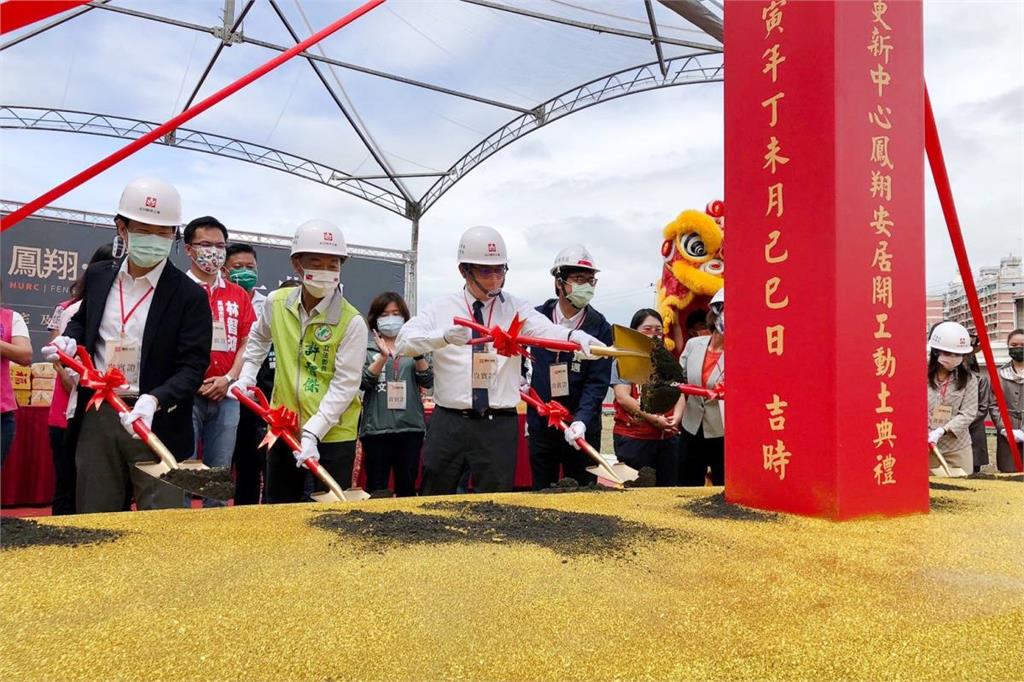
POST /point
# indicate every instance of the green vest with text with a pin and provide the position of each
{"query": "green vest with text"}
(305, 359)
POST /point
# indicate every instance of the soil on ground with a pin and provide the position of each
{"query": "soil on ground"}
(214, 483)
(16, 533)
(715, 507)
(1014, 478)
(564, 532)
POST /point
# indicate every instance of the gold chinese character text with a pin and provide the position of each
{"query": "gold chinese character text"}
(881, 186)
(773, 102)
(880, 117)
(880, 151)
(773, 240)
(881, 333)
(881, 291)
(772, 61)
(885, 362)
(884, 434)
(776, 336)
(773, 158)
(878, 10)
(776, 457)
(775, 200)
(771, 285)
(881, 222)
(879, 45)
(883, 395)
(776, 420)
(880, 77)
(882, 259)
(772, 16)
(884, 469)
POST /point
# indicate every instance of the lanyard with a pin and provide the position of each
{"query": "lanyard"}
(398, 359)
(556, 312)
(125, 318)
(943, 387)
(490, 313)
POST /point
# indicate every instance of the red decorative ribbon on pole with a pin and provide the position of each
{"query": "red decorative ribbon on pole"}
(509, 343)
(105, 384)
(942, 186)
(555, 411)
(716, 393)
(92, 171)
(281, 422)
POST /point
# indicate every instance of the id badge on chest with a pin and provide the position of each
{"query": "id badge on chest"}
(220, 336)
(940, 416)
(126, 355)
(559, 379)
(485, 366)
(396, 395)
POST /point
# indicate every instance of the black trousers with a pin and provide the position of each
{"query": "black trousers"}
(286, 482)
(550, 453)
(979, 443)
(696, 454)
(250, 460)
(487, 445)
(660, 455)
(63, 473)
(387, 452)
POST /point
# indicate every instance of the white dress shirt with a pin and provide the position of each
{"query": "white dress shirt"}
(453, 365)
(573, 322)
(110, 324)
(348, 358)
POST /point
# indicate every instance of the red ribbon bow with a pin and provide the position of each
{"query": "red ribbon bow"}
(105, 384)
(280, 421)
(555, 411)
(507, 342)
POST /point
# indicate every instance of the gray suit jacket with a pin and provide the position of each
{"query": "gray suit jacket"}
(700, 410)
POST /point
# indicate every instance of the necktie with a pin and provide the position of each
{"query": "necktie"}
(480, 399)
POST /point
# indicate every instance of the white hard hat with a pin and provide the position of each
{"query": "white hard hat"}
(482, 245)
(319, 236)
(151, 201)
(950, 337)
(718, 300)
(575, 256)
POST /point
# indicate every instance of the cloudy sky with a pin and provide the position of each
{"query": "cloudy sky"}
(610, 176)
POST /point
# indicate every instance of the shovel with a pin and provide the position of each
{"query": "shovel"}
(632, 349)
(282, 424)
(611, 474)
(104, 386)
(944, 469)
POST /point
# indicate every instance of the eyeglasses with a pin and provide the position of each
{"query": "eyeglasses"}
(205, 245)
(581, 279)
(156, 230)
(490, 271)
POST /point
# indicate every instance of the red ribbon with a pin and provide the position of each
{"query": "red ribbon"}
(555, 411)
(104, 384)
(280, 422)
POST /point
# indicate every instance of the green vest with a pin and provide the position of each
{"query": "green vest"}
(305, 358)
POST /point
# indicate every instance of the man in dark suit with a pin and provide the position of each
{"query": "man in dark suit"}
(143, 316)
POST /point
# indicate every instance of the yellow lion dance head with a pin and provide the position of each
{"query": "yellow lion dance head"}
(693, 269)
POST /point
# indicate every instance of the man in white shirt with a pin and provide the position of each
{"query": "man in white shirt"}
(319, 342)
(143, 316)
(476, 391)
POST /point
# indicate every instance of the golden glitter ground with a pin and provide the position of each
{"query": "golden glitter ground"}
(254, 594)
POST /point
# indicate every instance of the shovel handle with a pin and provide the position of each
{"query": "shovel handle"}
(144, 433)
(550, 344)
(942, 460)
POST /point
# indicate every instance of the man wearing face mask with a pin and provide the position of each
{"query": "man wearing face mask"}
(145, 317)
(580, 385)
(475, 390)
(214, 419)
(319, 340)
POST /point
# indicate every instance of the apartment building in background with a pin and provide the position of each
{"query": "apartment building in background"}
(1001, 295)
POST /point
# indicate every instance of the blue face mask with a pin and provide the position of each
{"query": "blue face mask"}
(390, 325)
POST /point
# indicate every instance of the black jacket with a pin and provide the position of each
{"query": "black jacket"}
(175, 348)
(587, 387)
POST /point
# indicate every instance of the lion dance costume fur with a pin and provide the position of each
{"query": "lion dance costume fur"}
(693, 270)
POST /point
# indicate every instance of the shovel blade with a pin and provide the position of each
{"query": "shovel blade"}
(154, 469)
(326, 496)
(356, 495)
(954, 472)
(636, 366)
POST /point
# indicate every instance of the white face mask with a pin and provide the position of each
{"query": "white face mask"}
(950, 362)
(319, 283)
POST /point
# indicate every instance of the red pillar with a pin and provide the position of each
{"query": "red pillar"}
(824, 186)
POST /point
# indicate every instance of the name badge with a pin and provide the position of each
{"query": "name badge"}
(485, 366)
(940, 416)
(396, 395)
(559, 379)
(220, 336)
(125, 355)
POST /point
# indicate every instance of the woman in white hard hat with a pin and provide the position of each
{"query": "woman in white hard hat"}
(319, 342)
(952, 396)
(476, 391)
(1011, 375)
(702, 441)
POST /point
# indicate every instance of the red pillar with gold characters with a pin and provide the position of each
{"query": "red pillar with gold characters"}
(824, 163)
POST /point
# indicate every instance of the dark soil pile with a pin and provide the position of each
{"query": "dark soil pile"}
(715, 507)
(16, 533)
(659, 394)
(1015, 478)
(214, 483)
(567, 533)
(949, 505)
(935, 485)
(571, 485)
(647, 478)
